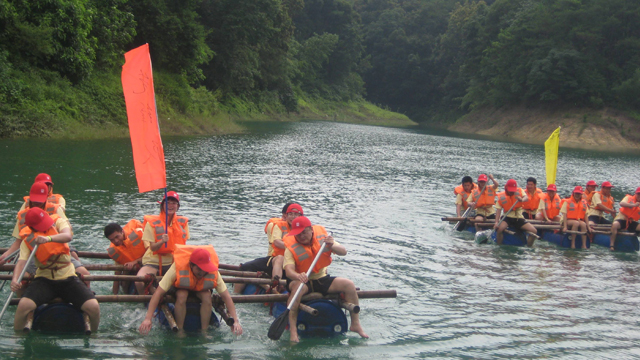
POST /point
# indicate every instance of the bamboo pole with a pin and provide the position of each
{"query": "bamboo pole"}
(87, 323)
(370, 294)
(308, 309)
(169, 316)
(230, 280)
(220, 308)
(29, 324)
(111, 267)
(349, 306)
(623, 233)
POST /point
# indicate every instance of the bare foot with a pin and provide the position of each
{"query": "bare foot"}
(359, 330)
(294, 338)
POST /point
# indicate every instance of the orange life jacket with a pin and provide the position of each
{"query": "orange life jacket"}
(631, 213)
(459, 189)
(488, 197)
(271, 221)
(177, 231)
(589, 195)
(552, 206)
(185, 279)
(607, 201)
(576, 210)
(53, 198)
(284, 227)
(51, 209)
(533, 201)
(305, 254)
(507, 201)
(132, 247)
(47, 250)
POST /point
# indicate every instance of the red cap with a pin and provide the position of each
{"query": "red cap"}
(606, 184)
(202, 258)
(39, 192)
(38, 219)
(483, 177)
(173, 194)
(511, 185)
(578, 190)
(295, 208)
(552, 187)
(592, 183)
(638, 190)
(299, 224)
(45, 178)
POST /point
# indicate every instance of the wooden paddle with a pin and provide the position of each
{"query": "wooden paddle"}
(479, 235)
(277, 327)
(24, 269)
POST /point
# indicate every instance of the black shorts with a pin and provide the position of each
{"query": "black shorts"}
(492, 216)
(598, 220)
(320, 285)
(72, 290)
(633, 225)
(263, 264)
(514, 223)
(526, 215)
(165, 268)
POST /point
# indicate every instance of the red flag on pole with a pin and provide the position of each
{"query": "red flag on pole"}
(139, 96)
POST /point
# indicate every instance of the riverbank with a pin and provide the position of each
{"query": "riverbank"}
(600, 129)
(47, 105)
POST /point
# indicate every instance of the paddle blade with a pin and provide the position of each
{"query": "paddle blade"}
(483, 236)
(278, 326)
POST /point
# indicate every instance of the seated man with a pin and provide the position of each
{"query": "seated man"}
(511, 201)
(55, 276)
(601, 202)
(463, 192)
(303, 243)
(549, 208)
(627, 218)
(484, 203)
(590, 189)
(194, 271)
(275, 229)
(126, 249)
(530, 207)
(574, 215)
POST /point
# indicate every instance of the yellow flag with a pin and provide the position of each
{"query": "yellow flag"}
(551, 155)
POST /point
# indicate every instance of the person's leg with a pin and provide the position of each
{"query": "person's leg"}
(143, 272)
(346, 286)
(614, 232)
(180, 309)
(25, 306)
(293, 313)
(530, 229)
(500, 232)
(573, 225)
(205, 308)
(583, 229)
(92, 308)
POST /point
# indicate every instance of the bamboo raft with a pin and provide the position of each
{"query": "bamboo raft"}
(316, 311)
(552, 232)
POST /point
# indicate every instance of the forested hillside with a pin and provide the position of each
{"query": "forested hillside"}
(440, 58)
(434, 60)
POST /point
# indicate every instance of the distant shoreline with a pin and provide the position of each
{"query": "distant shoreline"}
(602, 129)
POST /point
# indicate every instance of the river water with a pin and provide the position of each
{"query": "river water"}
(382, 192)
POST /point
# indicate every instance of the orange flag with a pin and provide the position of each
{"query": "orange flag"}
(148, 154)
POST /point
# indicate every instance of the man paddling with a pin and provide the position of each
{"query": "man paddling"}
(530, 207)
(484, 202)
(303, 243)
(126, 248)
(51, 197)
(589, 190)
(160, 241)
(550, 203)
(55, 275)
(627, 218)
(511, 200)
(574, 215)
(463, 192)
(194, 271)
(275, 229)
